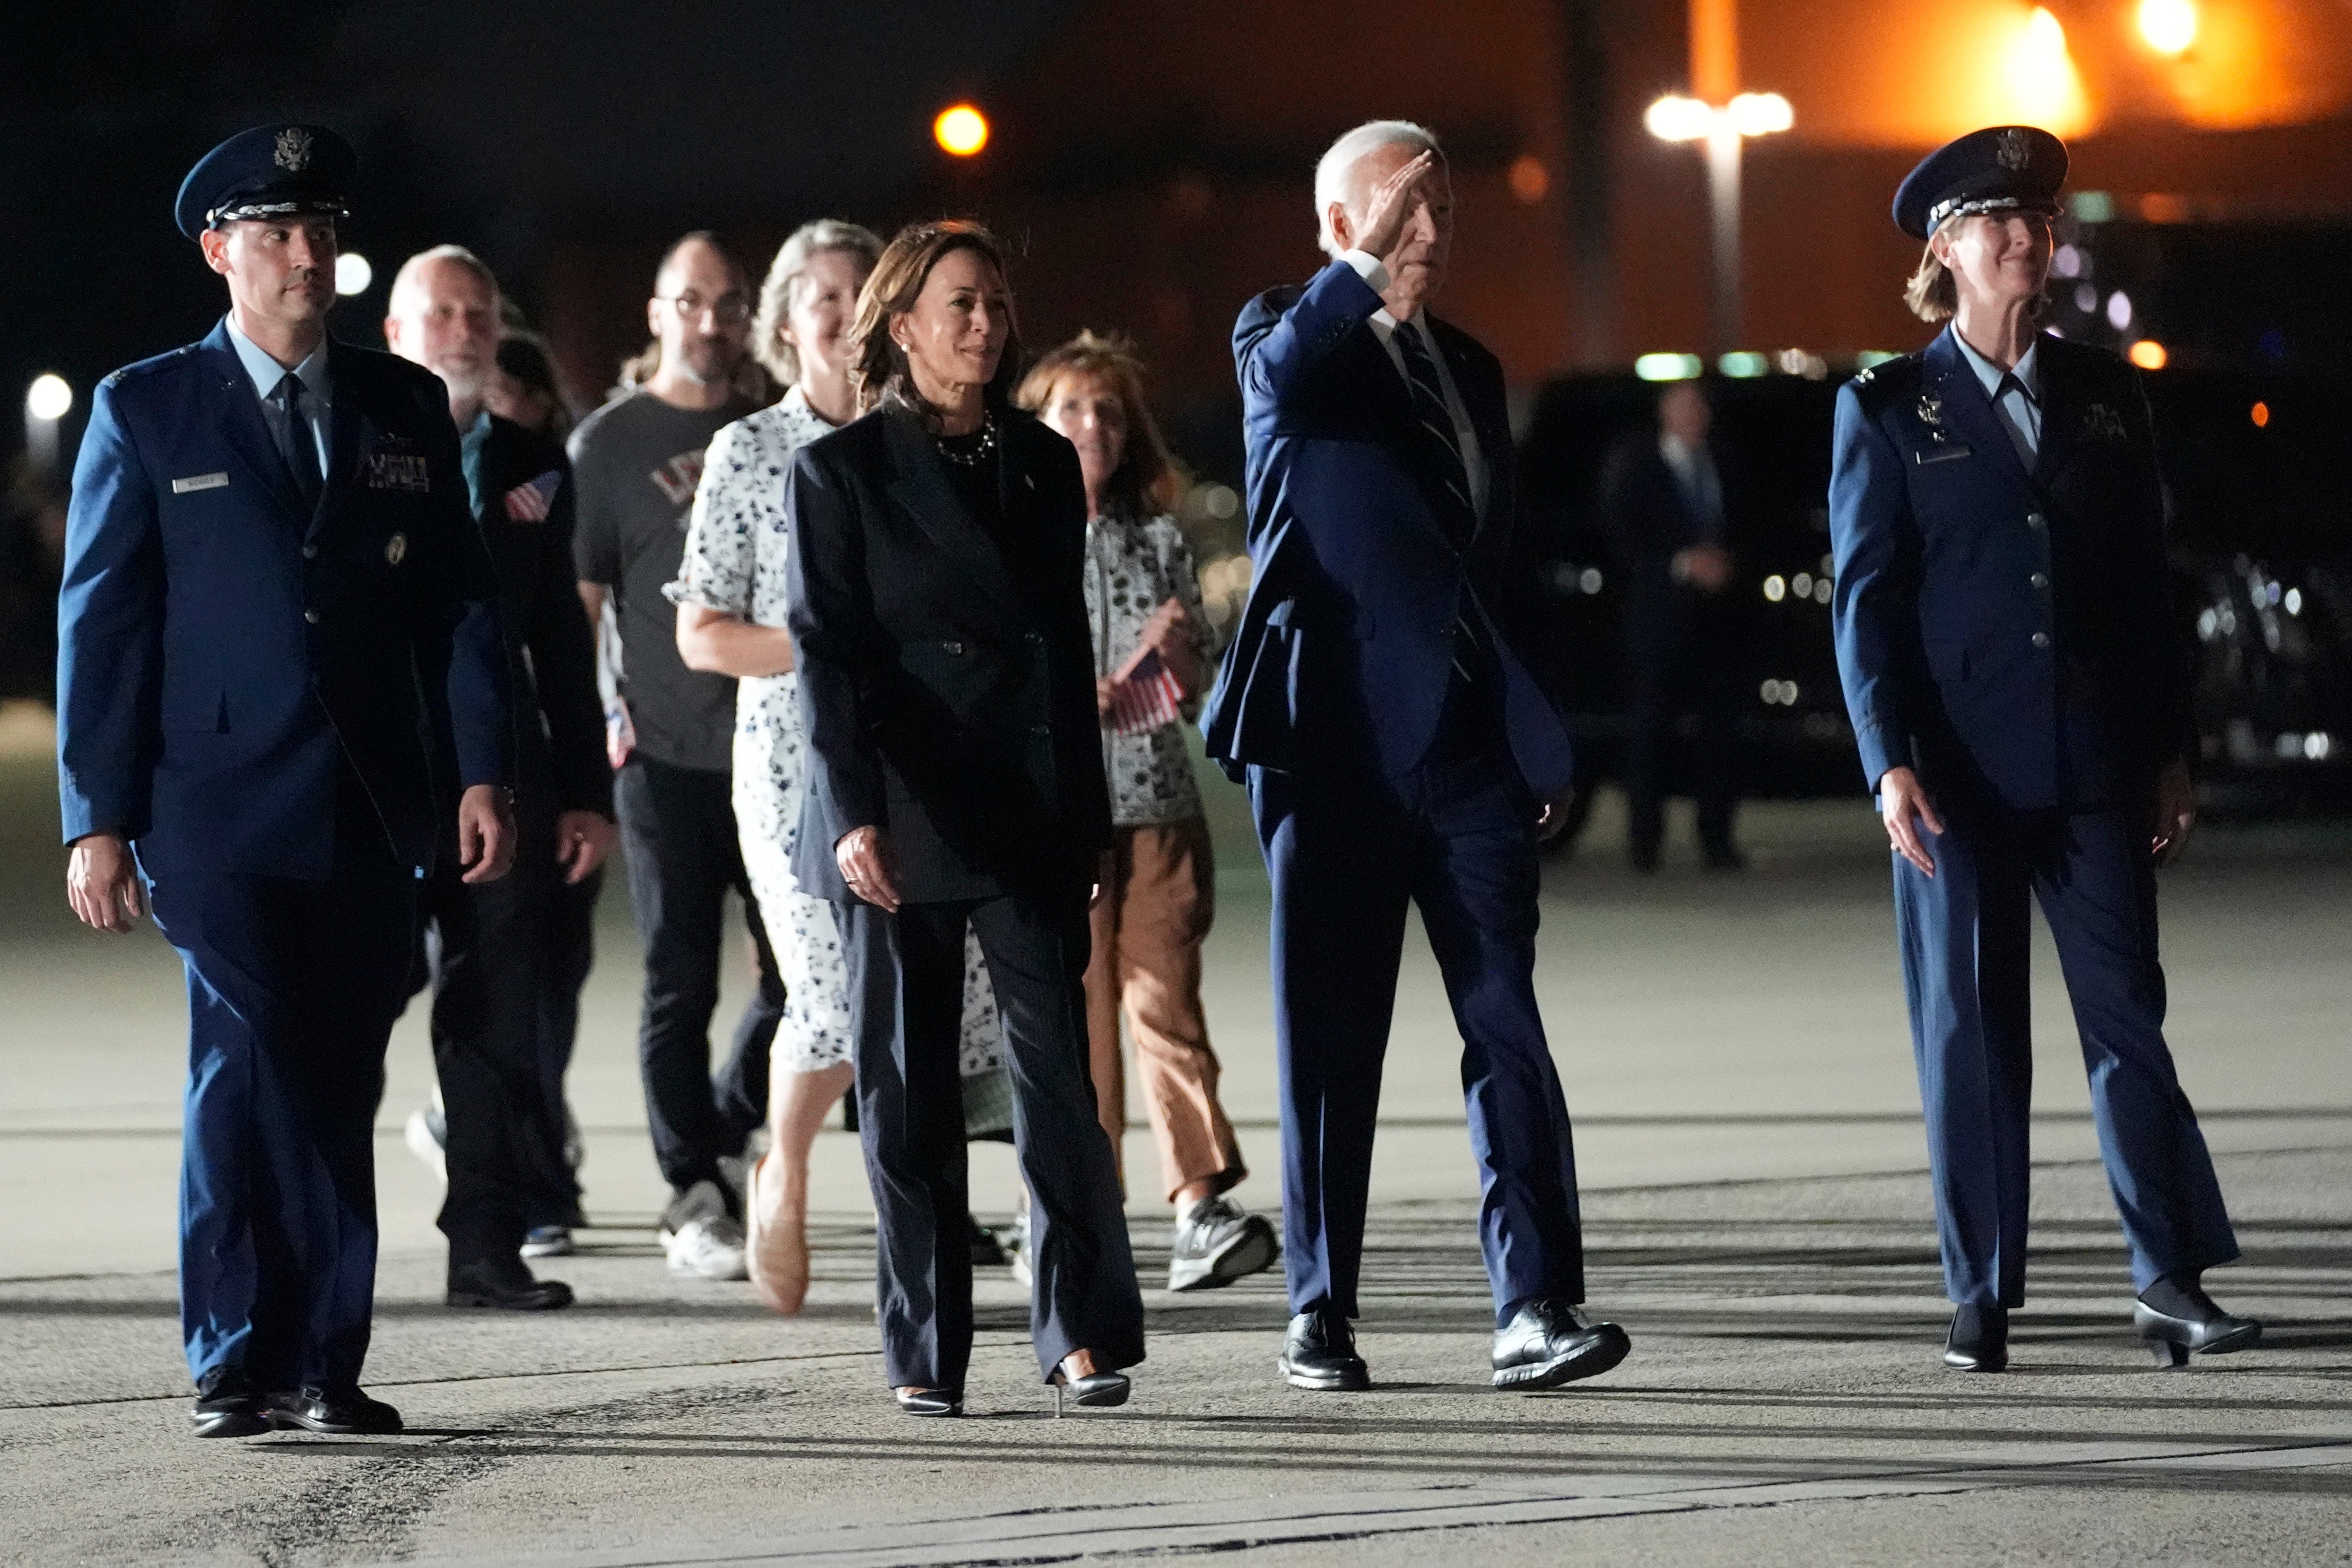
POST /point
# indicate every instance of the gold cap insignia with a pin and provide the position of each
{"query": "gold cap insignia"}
(293, 153)
(396, 547)
(2016, 150)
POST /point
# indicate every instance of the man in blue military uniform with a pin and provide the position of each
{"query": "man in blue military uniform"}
(268, 542)
(2020, 693)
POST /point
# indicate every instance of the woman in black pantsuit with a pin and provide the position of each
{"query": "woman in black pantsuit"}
(955, 782)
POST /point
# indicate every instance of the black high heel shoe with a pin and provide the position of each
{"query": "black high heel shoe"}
(929, 1401)
(1979, 1340)
(1096, 1390)
(2182, 1320)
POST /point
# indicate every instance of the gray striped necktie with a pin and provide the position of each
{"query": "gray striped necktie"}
(1444, 453)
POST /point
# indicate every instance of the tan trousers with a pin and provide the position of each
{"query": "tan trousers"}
(1148, 929)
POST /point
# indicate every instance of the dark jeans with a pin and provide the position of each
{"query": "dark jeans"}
(905, 999)
(492, 957)
(1671, 670)
(678, 825)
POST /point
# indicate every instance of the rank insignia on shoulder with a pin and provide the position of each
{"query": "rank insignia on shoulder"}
(395, 549)
(2102, 423)
(396, 471)
(1863, 376)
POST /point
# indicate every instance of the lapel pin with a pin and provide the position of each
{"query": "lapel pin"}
(396, 547)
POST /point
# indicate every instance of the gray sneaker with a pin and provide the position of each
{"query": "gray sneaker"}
(1217, 1243)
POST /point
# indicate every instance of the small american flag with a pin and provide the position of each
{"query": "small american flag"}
(1144, 696)
(529, 503)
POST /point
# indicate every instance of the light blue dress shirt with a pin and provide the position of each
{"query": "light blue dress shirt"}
(318, 390)
(2016, 402)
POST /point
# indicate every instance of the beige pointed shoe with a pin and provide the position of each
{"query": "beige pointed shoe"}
(775, 1245)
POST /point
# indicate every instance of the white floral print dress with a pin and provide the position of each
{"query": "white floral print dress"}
(736, 542)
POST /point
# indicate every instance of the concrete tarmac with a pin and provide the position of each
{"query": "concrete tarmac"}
(1756, 1215)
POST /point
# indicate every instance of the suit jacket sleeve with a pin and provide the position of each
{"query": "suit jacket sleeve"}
(563, 665)
(1278, 352)
(1875, 609)
(830, 611)
(458, 624)
(110, 634)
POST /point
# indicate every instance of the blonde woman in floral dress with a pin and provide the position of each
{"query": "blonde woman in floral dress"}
(730, 594)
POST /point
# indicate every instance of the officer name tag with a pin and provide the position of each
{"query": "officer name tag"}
(199, 482)
(1937, 455)
(395, 472)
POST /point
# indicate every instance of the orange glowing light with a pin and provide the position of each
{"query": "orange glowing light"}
(2148, 355)
(2261, 415)
(1529, 179)
(961, 131)
(2168, 25)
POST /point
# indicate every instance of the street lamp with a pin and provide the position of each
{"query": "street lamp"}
(1674, 118)
(961, 131)
(47, 400)
(2168, 25)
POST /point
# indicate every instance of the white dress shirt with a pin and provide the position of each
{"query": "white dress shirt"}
(2019, 412)
(1384, 326)
(317, 389)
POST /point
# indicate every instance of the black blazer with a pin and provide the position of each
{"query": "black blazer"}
(948, 691)
(560, 719)
(1650, 521)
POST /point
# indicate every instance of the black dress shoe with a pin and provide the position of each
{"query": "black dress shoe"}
(343, 1412)
(1548, 1343)
(1979, 1340)
(505, 1282)
(227, 1405)
(1319, 1353)
(2178, 1318)
(929, 1401)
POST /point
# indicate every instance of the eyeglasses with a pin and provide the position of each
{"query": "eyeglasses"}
(730, 309)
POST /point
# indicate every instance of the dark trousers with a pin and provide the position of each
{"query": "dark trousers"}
(292, 989)
(1673, 668)
(570, 954)
(1964, 937)
(678, 825)
(1457, 836)
(905, 999)
(493, 959)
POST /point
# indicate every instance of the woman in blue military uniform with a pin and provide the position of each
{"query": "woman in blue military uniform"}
(269, 539)
(2020, 693)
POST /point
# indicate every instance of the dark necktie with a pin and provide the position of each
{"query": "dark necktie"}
(1460, 520)
(1436, 431)
(295, 442)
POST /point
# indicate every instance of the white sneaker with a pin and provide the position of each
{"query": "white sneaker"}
(710, 1246)
(548, 1241)
(427, 1136)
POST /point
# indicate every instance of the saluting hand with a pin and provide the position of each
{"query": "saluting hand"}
(485, 833)
(1390, 206)
(1903, 803)
(102, 883)
(2176, 811)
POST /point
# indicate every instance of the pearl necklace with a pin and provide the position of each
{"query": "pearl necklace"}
(979, 451)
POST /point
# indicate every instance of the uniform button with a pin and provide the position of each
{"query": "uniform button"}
(311, 616)
(2034, 520)
(1034, 639)
(2042, 639)
(2041, 579)
(310, 553)
(953, 646)
(1041, 729)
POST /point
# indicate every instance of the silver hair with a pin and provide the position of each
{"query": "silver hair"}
(808, 241)
(1339, 160)
(405, 279)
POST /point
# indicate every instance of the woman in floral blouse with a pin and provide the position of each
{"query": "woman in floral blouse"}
(1155, 911)
(730, 594)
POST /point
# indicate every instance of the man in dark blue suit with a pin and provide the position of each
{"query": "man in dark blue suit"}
(269, 547)
(1397, 753)
(2020, 693)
